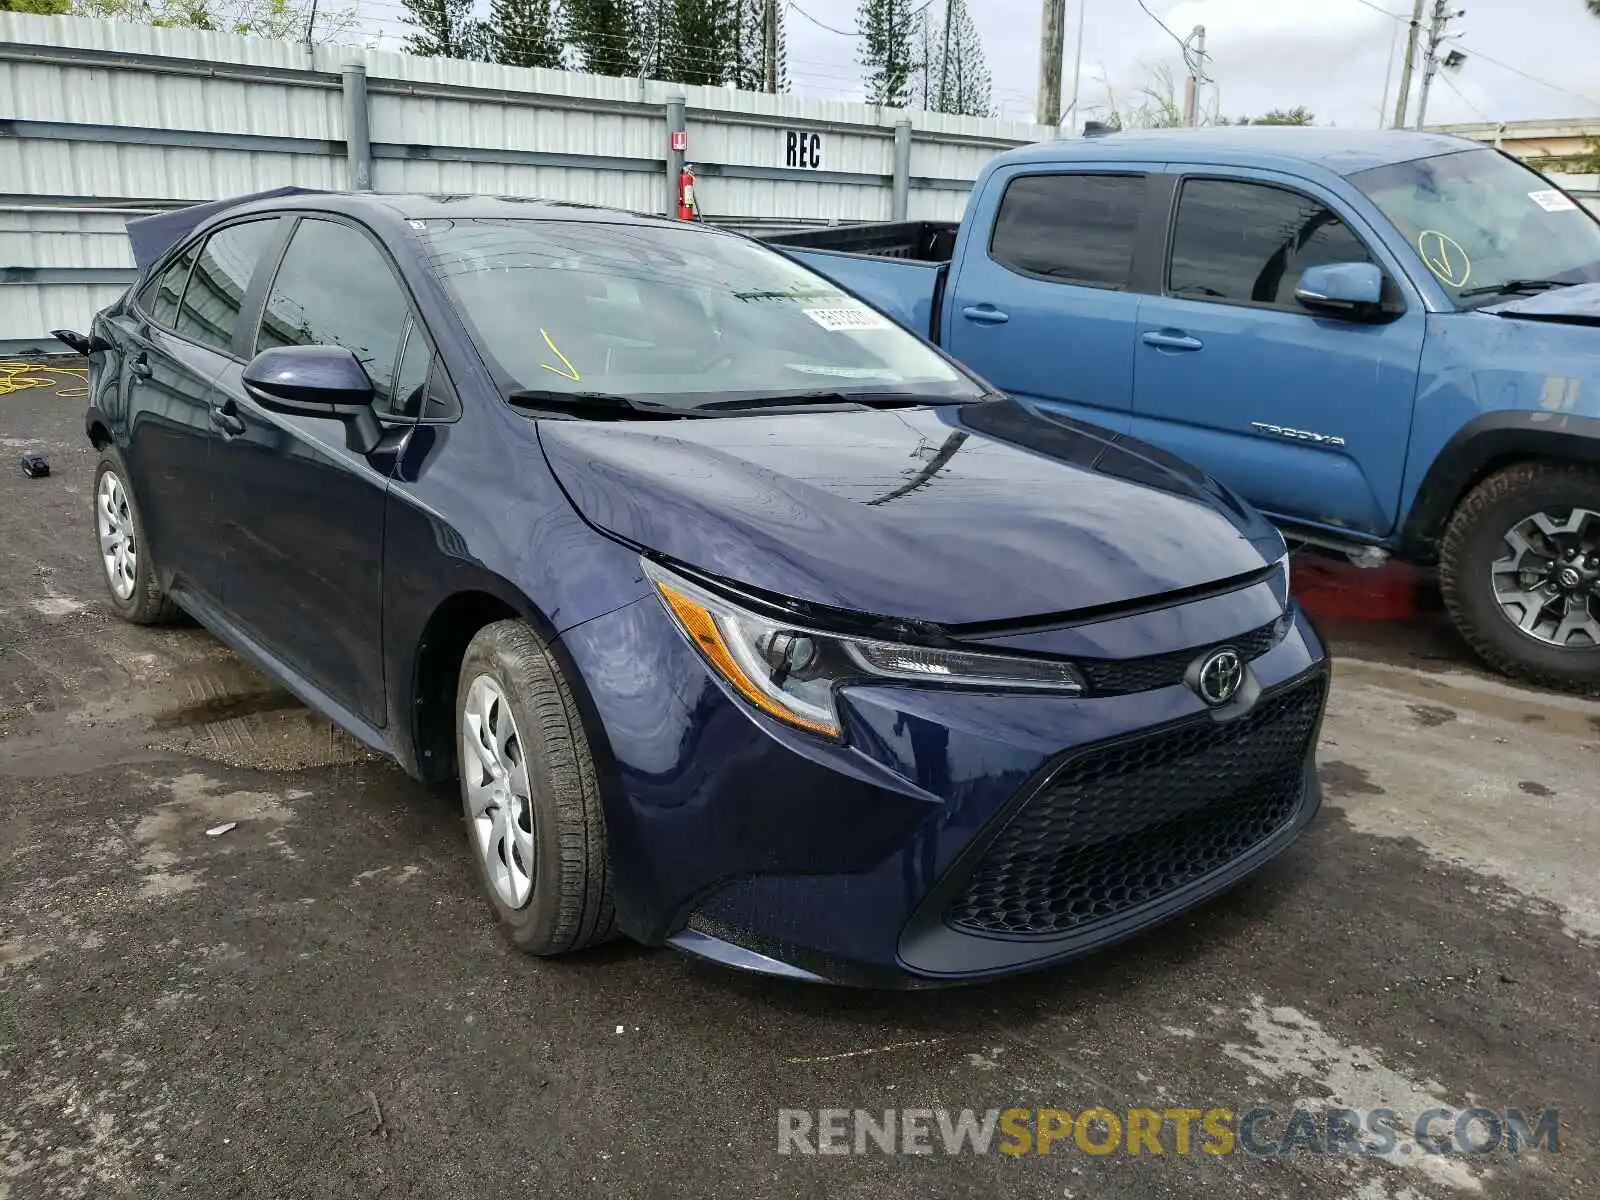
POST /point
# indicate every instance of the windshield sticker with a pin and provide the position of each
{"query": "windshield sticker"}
(1445, 257)
(571, 372)
(847, 320)
(1553, 200)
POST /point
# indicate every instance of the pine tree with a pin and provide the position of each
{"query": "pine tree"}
(887, 54)
(747, 41)
(526, 33)
(927, 45)
(654, 21)
(965, 86)
(703, 41)
(603, 34)
(444, 29)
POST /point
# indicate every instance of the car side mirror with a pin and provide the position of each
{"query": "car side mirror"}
(316, 381)
(1349, 289)
(79, 344)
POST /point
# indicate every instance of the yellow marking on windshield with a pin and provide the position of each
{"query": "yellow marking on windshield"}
(571, 371)
(1445, 257)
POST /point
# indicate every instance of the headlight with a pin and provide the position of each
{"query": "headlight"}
(790, 672)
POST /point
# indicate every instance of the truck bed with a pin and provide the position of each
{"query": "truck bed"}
(898, 267)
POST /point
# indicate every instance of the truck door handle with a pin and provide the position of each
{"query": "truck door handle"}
(225, 416)
(1171, 339)
(140, 366)
(985, 314)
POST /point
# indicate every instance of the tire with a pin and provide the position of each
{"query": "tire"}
(1475, 539)
(568, 905)
(136, 597)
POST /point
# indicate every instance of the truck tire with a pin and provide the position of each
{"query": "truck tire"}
(530, 794)
(1519, 566)
(126, 566)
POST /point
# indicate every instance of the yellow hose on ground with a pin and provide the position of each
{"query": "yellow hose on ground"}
(20, 376)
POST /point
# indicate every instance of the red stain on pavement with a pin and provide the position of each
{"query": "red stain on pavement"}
(1336, 590)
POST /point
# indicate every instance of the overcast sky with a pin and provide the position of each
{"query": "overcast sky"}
(1329, 55)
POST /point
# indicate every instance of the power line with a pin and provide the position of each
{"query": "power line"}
(1476, 53)
(848, 32)
(1450, 83)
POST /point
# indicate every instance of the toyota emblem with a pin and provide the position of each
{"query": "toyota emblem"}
(1219, 678)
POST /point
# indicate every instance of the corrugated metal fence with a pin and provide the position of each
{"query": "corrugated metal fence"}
(101, 120)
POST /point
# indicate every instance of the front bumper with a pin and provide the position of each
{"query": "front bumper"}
(874, 862)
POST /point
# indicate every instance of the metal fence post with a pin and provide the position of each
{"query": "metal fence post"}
(357, 135)
(901, 204)
(676, 123)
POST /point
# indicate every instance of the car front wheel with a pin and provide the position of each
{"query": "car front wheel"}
(125, 560)
(530, 794)
(1520, 570)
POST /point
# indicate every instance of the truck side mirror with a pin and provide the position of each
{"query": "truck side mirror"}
(1348, 289)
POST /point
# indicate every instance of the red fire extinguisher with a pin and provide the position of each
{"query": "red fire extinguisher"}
(688, 206)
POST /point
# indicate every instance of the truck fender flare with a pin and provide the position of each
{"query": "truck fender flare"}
(1479, 447)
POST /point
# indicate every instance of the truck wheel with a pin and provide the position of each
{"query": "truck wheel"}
(1520, 569)
(530, 795)
(125, 561)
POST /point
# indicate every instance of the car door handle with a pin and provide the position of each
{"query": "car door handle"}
(140, 366)
(985, 314)
(1170, 339)
(225, 416)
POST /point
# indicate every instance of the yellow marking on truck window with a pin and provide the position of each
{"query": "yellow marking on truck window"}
(1445, 257)
(571, 371)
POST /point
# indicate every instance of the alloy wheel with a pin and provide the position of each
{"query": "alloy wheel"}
(118, 548)
(1548, 581)
(499, 804)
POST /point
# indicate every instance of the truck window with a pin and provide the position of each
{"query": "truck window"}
(1247, 243)
(1072, 228)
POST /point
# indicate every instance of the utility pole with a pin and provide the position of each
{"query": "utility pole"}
(944, 58)
(1077, 63)
(1191, 85)
(1052, 35)
(1441, 17)
(1404, 101)
(769, 49)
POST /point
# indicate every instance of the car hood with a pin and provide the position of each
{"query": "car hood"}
(1578, 304)
(957, 515)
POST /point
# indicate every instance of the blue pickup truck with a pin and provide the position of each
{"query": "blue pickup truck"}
(1387, 341)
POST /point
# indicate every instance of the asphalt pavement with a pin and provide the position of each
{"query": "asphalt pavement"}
(316, 1002)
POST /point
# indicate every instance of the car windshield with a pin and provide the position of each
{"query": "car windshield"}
(676, 317)
(1487, 226)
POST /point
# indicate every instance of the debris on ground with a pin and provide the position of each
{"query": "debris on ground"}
(35, 466)
(219, 830)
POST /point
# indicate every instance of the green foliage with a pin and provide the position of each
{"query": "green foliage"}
(282, 19)
(887, 40)
(47, 8)
(445, 29)
(1299, 115)
(526, 33)
(604, 36)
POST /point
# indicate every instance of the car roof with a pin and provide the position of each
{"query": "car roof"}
(1343, 151)
(422, 207)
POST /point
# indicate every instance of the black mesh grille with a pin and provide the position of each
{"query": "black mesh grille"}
(1124, 676)
(1127, 823)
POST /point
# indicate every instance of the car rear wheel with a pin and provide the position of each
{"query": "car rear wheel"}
(1520, 570)
(530, 794)
(125, 560)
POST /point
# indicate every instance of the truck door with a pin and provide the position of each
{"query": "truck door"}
(1042, 300)
(1306, 415)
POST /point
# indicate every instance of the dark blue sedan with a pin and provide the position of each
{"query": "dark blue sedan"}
(748, 622)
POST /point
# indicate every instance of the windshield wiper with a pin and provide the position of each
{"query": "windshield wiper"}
(607, 402)
(796, 399)
(1515, 287)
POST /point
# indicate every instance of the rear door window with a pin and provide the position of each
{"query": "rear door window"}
(1248, 243)
(163, 293)
(1071, 228)
(336, 288)
(215, 293)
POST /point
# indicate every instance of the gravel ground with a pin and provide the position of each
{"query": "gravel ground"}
(316, 1003)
